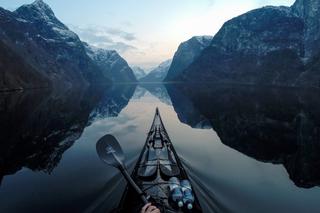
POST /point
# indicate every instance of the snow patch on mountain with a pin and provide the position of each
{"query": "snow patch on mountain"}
(112, 64)
(139, 72)
(159, 73)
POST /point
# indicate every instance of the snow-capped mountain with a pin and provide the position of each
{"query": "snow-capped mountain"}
(158, 73)
(111, 63)
(53, 54)
(139, 72)
(187, 52)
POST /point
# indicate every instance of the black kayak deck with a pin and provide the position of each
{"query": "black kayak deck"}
(158, 162)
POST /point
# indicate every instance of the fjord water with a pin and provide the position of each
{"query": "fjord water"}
(245, 149)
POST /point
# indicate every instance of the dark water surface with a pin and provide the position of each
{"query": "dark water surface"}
(245, 149)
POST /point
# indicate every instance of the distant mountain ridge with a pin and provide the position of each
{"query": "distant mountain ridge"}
(271, 46)
(159, 73)
(138, 72)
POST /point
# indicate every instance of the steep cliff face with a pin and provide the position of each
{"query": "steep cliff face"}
(15, 73)
(112, 64)
(187, 52)
(271, 45)
(34, 34)
(309, 11)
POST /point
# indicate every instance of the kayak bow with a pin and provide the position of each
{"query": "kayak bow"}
(158, 162)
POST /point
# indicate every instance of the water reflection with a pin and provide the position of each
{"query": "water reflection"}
(55, 133)
(280, 126)
(159, 91)
(113, 101)
(36, 128)
(186, 110)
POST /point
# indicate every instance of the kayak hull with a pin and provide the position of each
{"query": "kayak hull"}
(158, 162)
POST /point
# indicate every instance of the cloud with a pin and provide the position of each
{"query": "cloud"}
(127, 24)
(211, 3)
(100, 32)
(118, 46)
(125, 35)
(136, 51)
(92, 37)
(107, 38)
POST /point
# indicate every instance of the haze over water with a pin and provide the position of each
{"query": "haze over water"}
(222, 134)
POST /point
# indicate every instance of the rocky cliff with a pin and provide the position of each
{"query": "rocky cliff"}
(271, 45)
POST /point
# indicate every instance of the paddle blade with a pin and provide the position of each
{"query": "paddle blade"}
(109, 151)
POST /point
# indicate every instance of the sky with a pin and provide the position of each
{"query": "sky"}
(145, 32)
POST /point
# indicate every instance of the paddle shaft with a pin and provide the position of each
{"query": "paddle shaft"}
(127, 176)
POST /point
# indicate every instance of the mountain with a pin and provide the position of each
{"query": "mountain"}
(187, 52)
(248, 48)
(159, 73)
(113, 66)
(16, 73)
(38, 50)
(138, 72)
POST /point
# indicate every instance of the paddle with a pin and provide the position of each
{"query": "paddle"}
(110, 152)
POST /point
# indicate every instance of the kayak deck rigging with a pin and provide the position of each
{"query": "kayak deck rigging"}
(158, 162)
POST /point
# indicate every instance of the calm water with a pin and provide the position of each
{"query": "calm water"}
(245, 149)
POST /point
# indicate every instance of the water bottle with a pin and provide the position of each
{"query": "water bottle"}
(176, 191)
(188, 197)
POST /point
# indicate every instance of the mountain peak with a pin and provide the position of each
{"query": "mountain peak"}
(40, 4)
(203, 40)
(187, 52)
(159, 73)
(38, 10)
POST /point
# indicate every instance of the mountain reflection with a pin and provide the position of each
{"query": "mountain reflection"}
(37, 127)
(159, 91)
(186, 110)
(280, 126)
(113, 101)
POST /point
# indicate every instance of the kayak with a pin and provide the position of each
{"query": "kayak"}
(157, 164)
